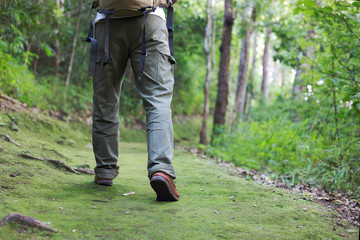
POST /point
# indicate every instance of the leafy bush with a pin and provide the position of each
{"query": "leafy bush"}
(293, 150)
(17, 80)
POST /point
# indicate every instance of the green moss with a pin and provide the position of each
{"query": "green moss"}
(71, 202)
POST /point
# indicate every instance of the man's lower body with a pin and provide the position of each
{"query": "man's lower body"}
(155, 87)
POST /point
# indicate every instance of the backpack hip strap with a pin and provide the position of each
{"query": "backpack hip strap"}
(169, 25)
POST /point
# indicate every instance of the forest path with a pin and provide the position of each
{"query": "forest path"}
(213, 204)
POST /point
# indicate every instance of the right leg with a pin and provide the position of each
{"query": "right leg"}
(107, 87)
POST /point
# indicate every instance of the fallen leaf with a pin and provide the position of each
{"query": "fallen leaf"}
(129, 193)
(93, 207)
(216, 212)
(61, 208)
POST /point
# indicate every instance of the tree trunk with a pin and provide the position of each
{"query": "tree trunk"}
(243, 69)
(8, 5)
(213, 40)
(223, 81)
(265, 63)
(337, 134)
(282, 72)
(57, 57)
(59, 4)
(207, 43)
(296, 86)
(28, 48)
(73, 48)
(302, 66)
(250, 94)
(37, 60)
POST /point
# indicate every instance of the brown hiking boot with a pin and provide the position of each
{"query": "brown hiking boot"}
(164, 187)
(103, 181)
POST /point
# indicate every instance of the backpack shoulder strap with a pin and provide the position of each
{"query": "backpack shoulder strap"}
(169, 25)
(90, 38)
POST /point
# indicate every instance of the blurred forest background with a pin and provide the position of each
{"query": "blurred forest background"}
(274, 85)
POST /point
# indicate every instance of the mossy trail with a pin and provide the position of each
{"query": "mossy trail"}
(213, 204)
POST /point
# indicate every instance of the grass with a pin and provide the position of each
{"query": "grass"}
(80, 209)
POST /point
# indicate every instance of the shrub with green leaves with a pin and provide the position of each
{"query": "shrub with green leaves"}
(17, 80)
(292, 150)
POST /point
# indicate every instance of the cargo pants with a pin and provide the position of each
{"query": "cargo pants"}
(155, 87)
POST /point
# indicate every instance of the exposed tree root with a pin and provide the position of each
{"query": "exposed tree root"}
(7, 138)
(56, 152)
(11, 103)
(56, 163)
(85, 171)
(25, 220)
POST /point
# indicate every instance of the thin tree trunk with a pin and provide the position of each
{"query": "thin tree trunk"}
(57, 57)
(265, 63)
(73, 48)
(243, 69)
(337, 135)
(213, 40)
(231, 96)
(28, 48)
(223, 81)
(57, 43)
(207, 43)
(37, 60)
(297, 80)
(9, 5)
(282, 71)
(250, 94)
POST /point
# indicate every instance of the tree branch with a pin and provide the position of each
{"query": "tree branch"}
(348, 26)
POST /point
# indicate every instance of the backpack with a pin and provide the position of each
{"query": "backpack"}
(130, 7)
(126, 8)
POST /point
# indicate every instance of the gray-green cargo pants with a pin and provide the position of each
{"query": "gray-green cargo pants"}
(155, 88)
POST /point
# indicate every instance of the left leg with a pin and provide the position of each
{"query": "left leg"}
(156, 89)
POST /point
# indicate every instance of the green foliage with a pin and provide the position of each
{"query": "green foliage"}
(189, 27)
(304, 151)
(310, 135)
(45, 93)
(17, 80)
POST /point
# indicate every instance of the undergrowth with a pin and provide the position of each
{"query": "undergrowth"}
(304, 150)
(46, 93)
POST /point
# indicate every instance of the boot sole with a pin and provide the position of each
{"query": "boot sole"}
(162, 189)
(104, 182)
